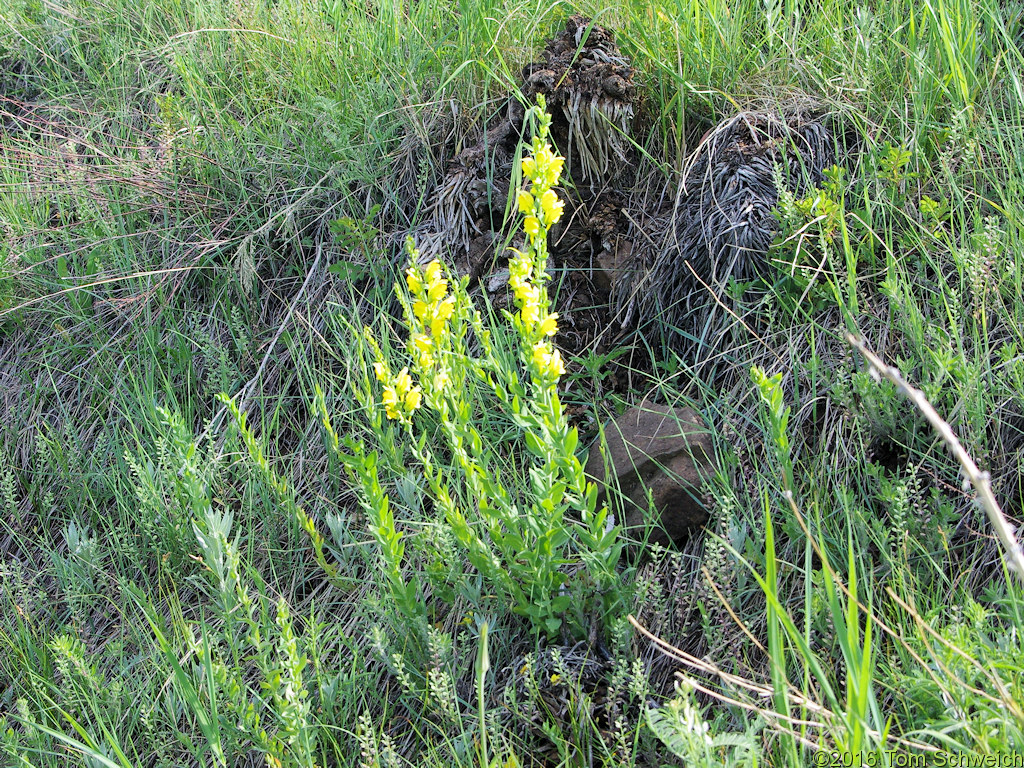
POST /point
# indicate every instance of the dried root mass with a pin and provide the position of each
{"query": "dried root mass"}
(721, 223)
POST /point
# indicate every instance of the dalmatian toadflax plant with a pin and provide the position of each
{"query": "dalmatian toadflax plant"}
(523, 529)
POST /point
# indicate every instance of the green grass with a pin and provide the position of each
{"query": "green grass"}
(170, 171)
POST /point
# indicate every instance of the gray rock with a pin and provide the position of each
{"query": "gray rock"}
(662, 450)
(497, 281)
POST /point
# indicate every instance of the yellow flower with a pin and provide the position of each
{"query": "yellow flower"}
(529, 167)
(400, 397)
(412, 279)
(422, 343)
(530, 314)
(413, 398)
(419, 308)
(390, 400)
(528, 295)
(525, 201)
(546, 168)
(549, 325)
(519, 269)
(433, 271)
(442, 313)
(555, 365)
(403, 381)
(551, 206)
(546, 361)
(531, 225)
(380, 371)
(437, 290)
(541, 354)
(553, 171)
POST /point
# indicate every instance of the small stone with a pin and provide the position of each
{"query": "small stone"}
(497, 281)
(662, 450)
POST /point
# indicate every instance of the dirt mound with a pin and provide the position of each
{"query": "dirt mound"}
(589, 88)
(628, 256)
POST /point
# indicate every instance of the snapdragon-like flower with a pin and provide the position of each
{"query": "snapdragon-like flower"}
(547, 361)
(391, 403)
(549, 325)
(529, 315)
(437, 286)
(423, 347)
(551, 207)
(442, 314)
(412, 279)
(413, 399)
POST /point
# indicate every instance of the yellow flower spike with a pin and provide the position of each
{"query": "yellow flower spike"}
(531, 225)
(549, 325)
(525, 201)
